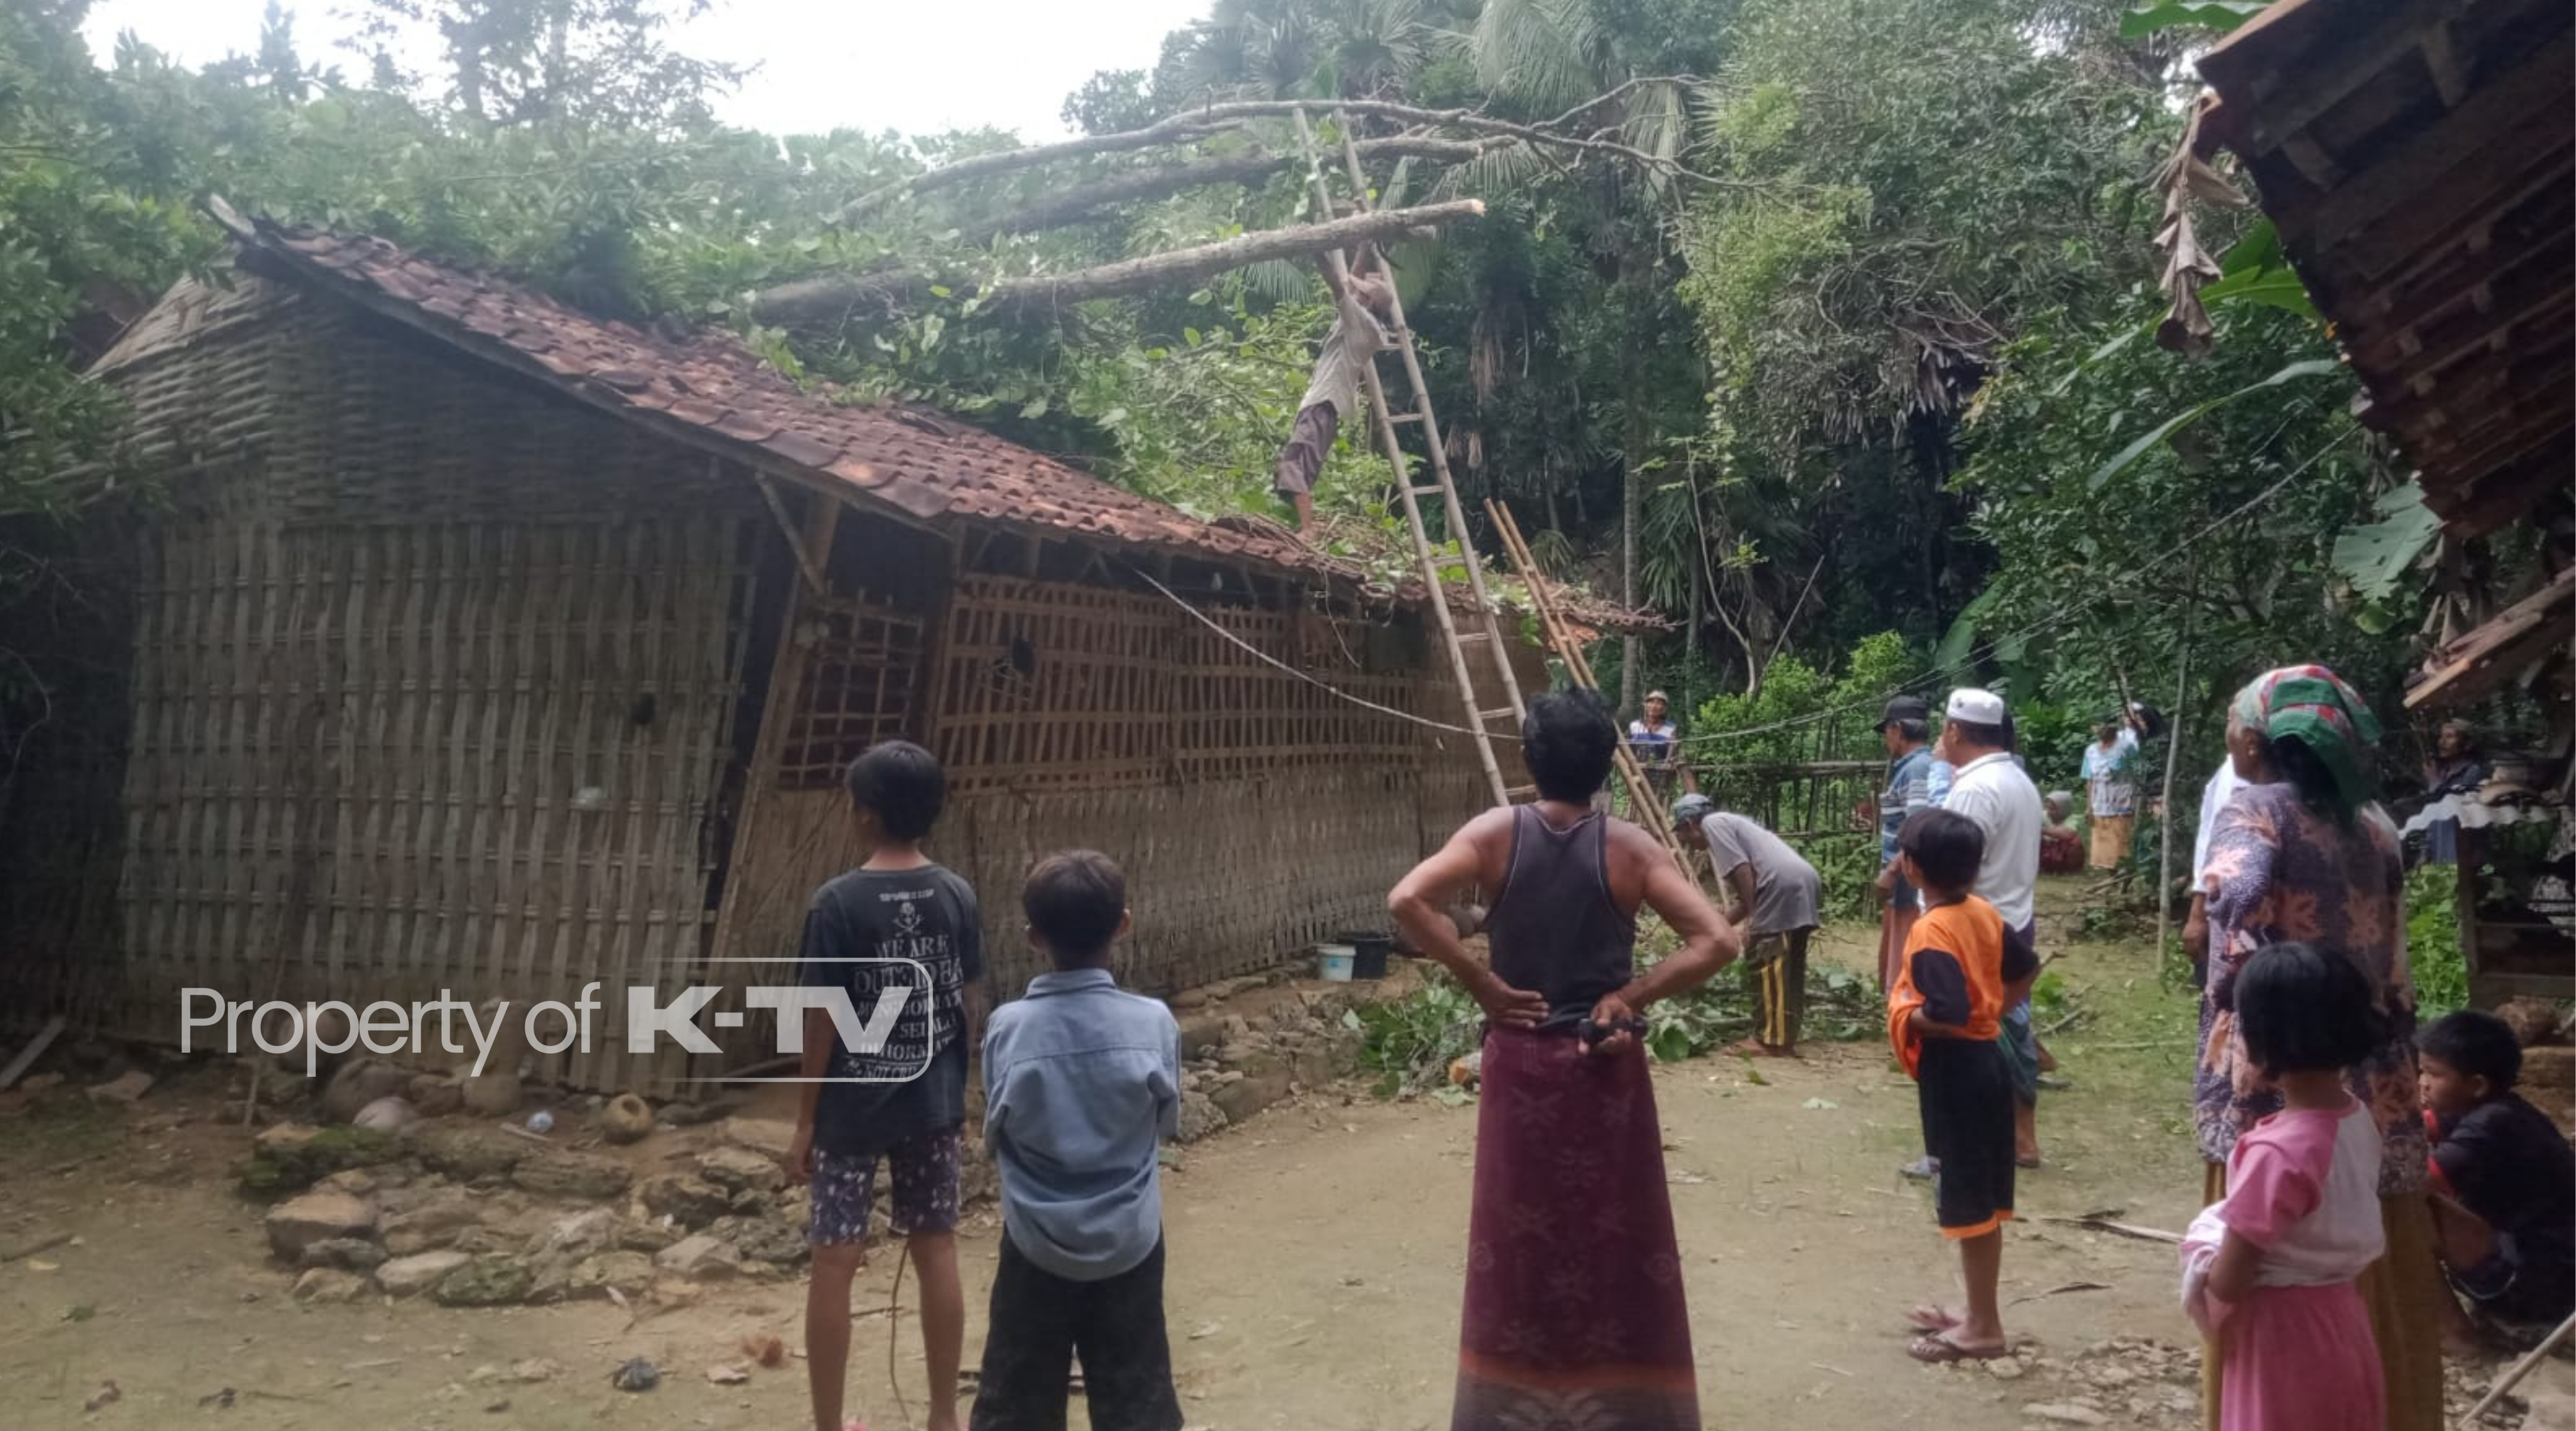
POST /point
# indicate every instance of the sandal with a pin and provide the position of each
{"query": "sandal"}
(1938, 1349)
(1932, 1321)
(1922, 1169)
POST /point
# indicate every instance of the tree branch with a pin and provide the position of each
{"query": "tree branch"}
(1207, 119)
(829, 299)
(1136, 185)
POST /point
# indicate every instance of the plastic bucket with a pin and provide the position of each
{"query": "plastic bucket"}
(1333, 962)
(1369, 951)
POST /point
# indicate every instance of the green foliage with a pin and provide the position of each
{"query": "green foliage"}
(2433, 940)
(2151, 16)
(1410, 1042)
(273, 1172)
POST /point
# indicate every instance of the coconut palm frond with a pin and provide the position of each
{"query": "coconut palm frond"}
(1499, 170)
(1279, 280)
(1543, 51)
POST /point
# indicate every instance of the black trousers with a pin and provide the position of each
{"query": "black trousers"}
(1040, 1320)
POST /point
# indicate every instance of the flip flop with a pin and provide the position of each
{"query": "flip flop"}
(1935, 1350)
(1932, 1320)
(2025, 1162)
(1922, 1169)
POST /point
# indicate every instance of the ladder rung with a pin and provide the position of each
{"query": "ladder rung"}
(1506, 713)
(1520, 792)
(1428, 489)
(1452, 560)
(1404, 417)
(1466, 636)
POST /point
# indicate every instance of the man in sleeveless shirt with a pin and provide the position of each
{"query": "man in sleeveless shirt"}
(1573, 1272)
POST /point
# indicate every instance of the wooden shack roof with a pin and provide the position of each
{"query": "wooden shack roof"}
(708, 391)
(2416, 158)
(2415, 155)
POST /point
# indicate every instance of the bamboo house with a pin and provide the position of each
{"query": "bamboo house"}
(475, 643)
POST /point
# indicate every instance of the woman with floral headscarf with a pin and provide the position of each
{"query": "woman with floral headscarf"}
(2301, 853)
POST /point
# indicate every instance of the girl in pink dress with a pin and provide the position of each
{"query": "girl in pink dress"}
(2269, 1269)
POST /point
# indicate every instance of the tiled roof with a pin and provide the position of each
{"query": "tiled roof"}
(710, 389)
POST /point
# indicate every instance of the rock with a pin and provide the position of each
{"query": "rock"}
(533, 1370)
(122, 1092)
(2534, 1021)
(701, 1256)
(630, 1273)
(435, 1095)
(493, 1095)
(357, 1182)
(767, 1239)
(636, 1375)
(349, 1254)
(430, 1225)
(470, 1152)
(761, 1135)
(37, 1084)
(738, 1169)
(2066, 1413)
(1203, 1032)
(1200, 1117)
(2004, 1368)
(1265, 1081)
(626, 1119)
(278, 1137)
(299, 1222)
(687, 1201)
(329, 1284)
(387, 1115)
(581, 1235)
(578, 1176)
(413, 1275)
(360, 1082)
(1186, 1000)
(489, 1281)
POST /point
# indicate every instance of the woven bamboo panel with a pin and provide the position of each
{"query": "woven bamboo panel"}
(384, 762)
(861, 666)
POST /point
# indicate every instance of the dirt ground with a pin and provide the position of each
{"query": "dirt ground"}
(1315, 1266)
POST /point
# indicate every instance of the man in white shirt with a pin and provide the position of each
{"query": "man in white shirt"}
(1990, 787)
(2195, 925)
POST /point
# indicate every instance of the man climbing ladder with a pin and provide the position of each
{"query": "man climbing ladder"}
(1357, 336)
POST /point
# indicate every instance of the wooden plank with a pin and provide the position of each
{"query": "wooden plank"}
(2469, 149)
(2479, 660)
(34, 1050)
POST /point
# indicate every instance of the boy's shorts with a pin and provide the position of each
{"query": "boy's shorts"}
(1966, 1094)
(923, 1170)
(2508, 1285)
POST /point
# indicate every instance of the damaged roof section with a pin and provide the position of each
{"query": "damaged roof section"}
(708, 390)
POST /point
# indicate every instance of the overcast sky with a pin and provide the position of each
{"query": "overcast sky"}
(918, 66)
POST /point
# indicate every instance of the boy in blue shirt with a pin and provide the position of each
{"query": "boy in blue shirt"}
(1081, 1083)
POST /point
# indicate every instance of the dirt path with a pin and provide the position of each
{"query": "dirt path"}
(1315, 1266)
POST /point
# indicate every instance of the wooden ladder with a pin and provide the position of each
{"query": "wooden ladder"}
(1436, 566)
(1645, 807)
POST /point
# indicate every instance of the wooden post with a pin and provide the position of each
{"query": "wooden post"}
(2173, 751)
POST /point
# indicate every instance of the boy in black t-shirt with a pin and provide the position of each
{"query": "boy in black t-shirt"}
(878, 933)
(2504, 1181)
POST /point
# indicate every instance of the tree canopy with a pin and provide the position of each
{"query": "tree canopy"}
(1798, 321)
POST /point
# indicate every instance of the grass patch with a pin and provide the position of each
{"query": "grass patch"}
(270, 1173)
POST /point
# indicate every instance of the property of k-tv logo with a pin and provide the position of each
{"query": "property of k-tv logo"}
(876, 1050)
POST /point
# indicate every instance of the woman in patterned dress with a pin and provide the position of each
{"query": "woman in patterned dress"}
(2302, 853)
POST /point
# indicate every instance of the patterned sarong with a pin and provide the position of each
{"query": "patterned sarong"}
(1575, 1315)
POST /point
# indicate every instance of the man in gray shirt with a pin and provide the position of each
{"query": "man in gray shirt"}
(1334, 394)
(1774, 898)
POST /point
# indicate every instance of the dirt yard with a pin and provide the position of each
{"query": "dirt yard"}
(1315, 1267)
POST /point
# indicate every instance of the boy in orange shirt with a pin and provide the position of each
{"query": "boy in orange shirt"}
(1960, 971)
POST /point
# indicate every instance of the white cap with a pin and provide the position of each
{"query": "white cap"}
(1981, 707)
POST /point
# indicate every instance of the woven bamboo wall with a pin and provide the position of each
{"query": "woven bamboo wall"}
(1254, 814)
(433, 684)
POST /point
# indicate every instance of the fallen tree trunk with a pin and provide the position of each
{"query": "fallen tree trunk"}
(829, 299)
(1209, 119)
(1138, 185)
